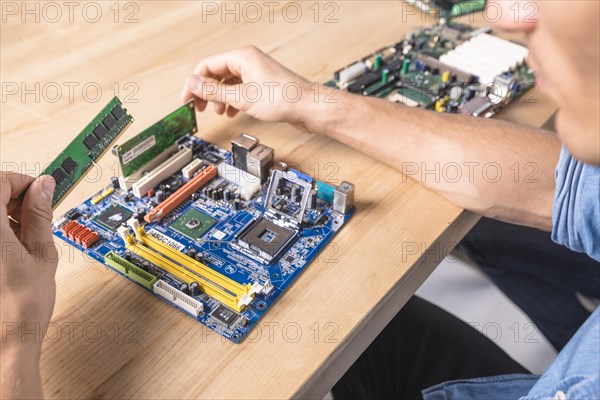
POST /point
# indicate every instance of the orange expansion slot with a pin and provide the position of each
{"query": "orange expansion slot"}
(181, 194)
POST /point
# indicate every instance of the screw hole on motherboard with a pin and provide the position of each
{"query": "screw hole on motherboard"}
(275, 275)
(261, 305)
(236, 336)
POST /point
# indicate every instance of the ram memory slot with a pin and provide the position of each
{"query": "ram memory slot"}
(229, 299)
(193, 265)
(92, 142)
(129, 269)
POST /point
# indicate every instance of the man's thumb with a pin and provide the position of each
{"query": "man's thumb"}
(36, 215)
(212, 90)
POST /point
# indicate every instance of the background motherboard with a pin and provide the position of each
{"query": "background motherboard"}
(218, 234)
(449, 67)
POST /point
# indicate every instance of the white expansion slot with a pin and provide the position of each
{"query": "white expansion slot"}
(486, 56)
(189, 170)
(126, 182)
(162, 172)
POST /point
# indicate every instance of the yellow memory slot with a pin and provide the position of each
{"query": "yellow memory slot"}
(181, 273)
(196, 266)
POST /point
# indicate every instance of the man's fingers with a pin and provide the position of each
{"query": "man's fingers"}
(223, 65)
(231, 111)
(36, 215)
(220, 108)
(209, 89)
(12, 184)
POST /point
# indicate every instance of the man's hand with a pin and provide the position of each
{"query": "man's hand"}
(249, 80)
(27, 287)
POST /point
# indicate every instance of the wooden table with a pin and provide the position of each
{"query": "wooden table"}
(110, 338)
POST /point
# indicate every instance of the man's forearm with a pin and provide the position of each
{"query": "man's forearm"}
(495, 168)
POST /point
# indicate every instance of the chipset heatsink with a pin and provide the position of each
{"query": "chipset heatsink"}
(193, 223)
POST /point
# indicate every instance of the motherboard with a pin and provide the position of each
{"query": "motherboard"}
(218, 234)
(452, 68)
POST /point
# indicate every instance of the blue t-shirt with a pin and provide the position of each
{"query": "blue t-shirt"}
(575, 374)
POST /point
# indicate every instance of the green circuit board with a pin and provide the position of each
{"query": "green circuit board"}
(78, 157)
(448, 67)
(143, 148)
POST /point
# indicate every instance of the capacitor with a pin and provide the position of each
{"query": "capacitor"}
(194, 289)
(452, 106)
(313, 198)
(200, 257)
(377, 63)
(237, 204)
(405, 66)
(128, 256)
(470, 92)
(420, 66)
(446, 76)
(441, 89)
(227, 195)
(440, 105)
(214, 194)
(184, 288)
(114, 182)
(191, 252)
(385, 75)
(220, 194)
(159, 196)
(455, 92)
(515, 87)
(145, 265)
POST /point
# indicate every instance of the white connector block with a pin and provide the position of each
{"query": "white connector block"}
(486, 56)
(177, 297)
(189, 170)
(162, 172)
(248, 184)
(126, 182)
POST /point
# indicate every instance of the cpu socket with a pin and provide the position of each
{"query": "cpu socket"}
(266, 239)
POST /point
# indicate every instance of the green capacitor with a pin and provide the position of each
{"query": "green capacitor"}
(385, 75)
(467, 7)
(405, 65)
(377, 63)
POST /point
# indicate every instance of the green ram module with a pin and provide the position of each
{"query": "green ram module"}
(143, 148)
(87, 148)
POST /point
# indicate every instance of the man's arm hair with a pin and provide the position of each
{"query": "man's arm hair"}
(495, 168)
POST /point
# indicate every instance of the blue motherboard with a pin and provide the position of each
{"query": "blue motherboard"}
(216, 238)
